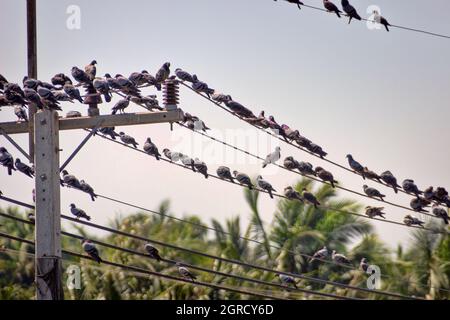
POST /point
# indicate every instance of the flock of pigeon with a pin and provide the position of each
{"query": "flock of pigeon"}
(348, 9)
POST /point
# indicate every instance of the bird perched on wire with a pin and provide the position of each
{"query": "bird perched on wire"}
(428, 193)
(21, 113)
(272, 157)
(185, 273)
(60, 79)
(152, 252)
(316, 149)
(3, 82)
(371, 175)
(128, 139)
(151, 148)
(325, 176)
(48, 98)
(79, 213)
(339, 258)
(291, 194)
(409, 186)
(91, 69)
(151, 80)
(306, 168)
(109, 131)
(263, 184)
(289, 133)
(184, 76)
(84, 186)
(321, 254)
(188, 162)
(381, 20)
(163, 73)
(356, 166)
(259, 121)
(373, 212)
(80, 75)
(364, 265)
(7, 160)
(70, 180)
(224, 173)
(172, 156)
(24, 168)
(121, 105)
(60, 95)
(138, 78)
(201, 167)
(220, 97)
(275, 127)
(297, 2)
(440, 213)
(418, 204)
(373, 193)
(33, 97)
(413, 221)
(310, 198)
(287, 280)
(239, 109)
(440, 194)
(112, 83)
(194, 123)
(201, 86)
(244, 179)
(390, 180)
(72, 91)
(290, 163)
(91, 250)
(331, 7)
(350, 11)
(126, 86)
(303, 142)
(102, 86)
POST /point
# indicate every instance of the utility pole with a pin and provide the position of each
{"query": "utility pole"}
(32, 67)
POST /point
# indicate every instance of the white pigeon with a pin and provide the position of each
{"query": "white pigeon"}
(272, 157)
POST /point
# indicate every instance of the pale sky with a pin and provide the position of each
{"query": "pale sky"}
(383, 97)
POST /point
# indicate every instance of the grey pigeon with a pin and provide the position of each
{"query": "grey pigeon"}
(62, 96)
(413, 221)
(109, 131)
(291, 194)
(290, 163)
(21, 113)
(30, 83)
(316, 149)
(364, 265)
(201, 167)
(288, 280)
(72, 91)
(163, 73)
(185, 273)
(121, 105)
(201, 86)
(339, 258)
(151, 80)
(350, 11)
(150, 102)
(373, 212)
(409, 186)
(306, 168)
(88, 189)
(91, 69)
(102, 86)
(183, 75)
(152, 252)
(239, 109)
(151, 149)
(440, 194)
(48, 98)
(275, 127)
(325, 176)
(33, 97)
(289, 133)
(440, 213)
(371, 175)
(126, 86)
(138, 78)
(263, 184)
(224, 173)
(259, 121)
(310, 198)
(418, 204)
(390, 180)
(70, 180)
(7, 160)
(428, 193)
(60, 79)
(244, 179)
(128, 139)
(355, 165)
(112, 83)
(220, 97)
(331, 7)
(373, 193)
(79, 213)
(272, 157)
(91, 250)
(188, 162)
(80, 75)
(25, 169)
(172, 156)
(303, 142)
(320, 254)
(381, 20)
(73, 114)
(297, 2)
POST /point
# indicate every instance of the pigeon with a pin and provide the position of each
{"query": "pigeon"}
(151, 148)
(201, 167)
(409, 186)
(21, 113)
(263, 184)
(306, 168)
(355, 165)
(109, 131)
(350, 11)
(121, 105)
(150, 102)
(25, 169)
(152, 252)
(275, 127)
(290, 163)
(163, 73)
(331, 7)
(297, 2)
(31, 217)
(303, 142)
(185, 273)
(7, 160)
(381, 20)
(287, 280)
(244, 179)
(289, 133)
(418, 204)
(373, 193)
(428, 193)
(126, 86)
(72, 91)
(259, 121)
(316, 149)
(224, 173)
(188, 161)
(80, 75)
(364, 265)
(272, 157)
(88, 189)
(371, 175)
(172, 156)
(60, 79)
(310, 198)
(91, 70)
(112, 83)
(73, 114)
(390, 180)
(440, 213)
(62, 96)
(320, 255)
(325, 176)
(102, 86)
(220, 97)
(440, 194)
(11, 88)
(412, 221)
(49, 98)
(339, 258)
(138, 78)
(373, 212)
(128, 139)
(239, 109)
(91, 250)
(183, 75)
(291, 194)
(151, 80)
(201, 86)
(3, 82)
(78, 212)
(194, 123)
(30, 83)
(70, 180)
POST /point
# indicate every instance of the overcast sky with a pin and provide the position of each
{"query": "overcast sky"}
(384, 97)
